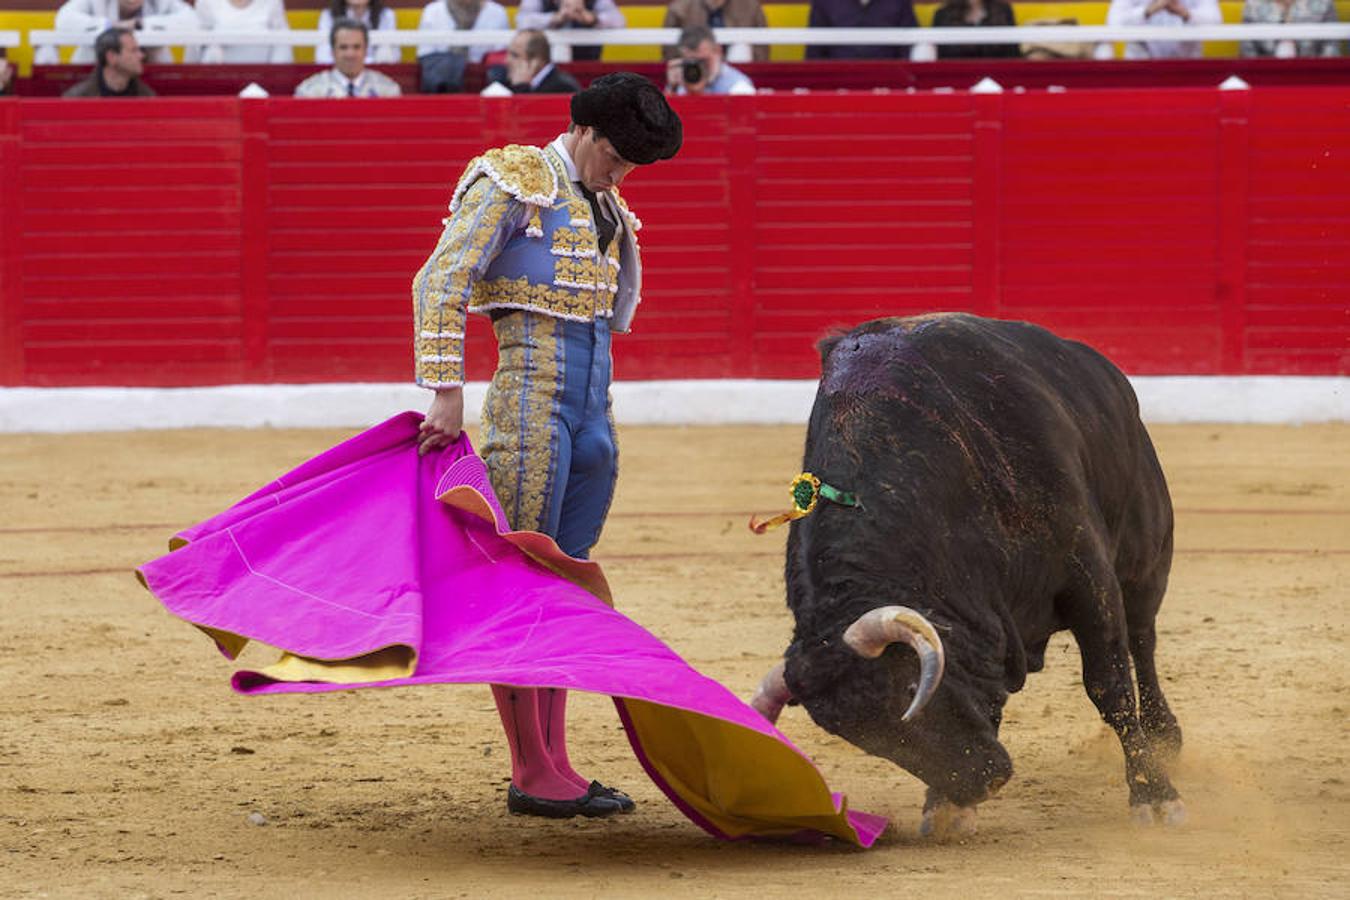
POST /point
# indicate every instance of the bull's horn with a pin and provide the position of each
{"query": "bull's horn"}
(771, 694)
(877, 629)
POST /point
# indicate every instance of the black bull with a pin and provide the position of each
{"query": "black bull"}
(1007, 490)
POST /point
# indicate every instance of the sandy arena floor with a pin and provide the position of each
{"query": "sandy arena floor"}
(128, 768)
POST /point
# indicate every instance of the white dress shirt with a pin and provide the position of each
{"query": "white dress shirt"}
(436, 17)
(333, 85)
(93, 16)
(1131, 12)
(259, 15)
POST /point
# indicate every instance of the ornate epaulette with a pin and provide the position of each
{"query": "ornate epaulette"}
(522, 172)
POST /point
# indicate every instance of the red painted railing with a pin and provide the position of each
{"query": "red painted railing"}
(818, 75)
(199, 241)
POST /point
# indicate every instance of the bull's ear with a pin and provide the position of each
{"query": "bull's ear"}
(827, 343)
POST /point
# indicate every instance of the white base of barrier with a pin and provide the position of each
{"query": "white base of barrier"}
(1162, 399)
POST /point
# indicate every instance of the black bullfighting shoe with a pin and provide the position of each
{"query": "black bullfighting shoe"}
(625, 802)
(592, 804)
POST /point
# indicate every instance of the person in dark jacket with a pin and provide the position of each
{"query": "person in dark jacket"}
(859, 14)
(530, 68)
(118, 70)
(975, 13)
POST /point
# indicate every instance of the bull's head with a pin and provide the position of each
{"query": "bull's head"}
(854, 688)
(869, 636)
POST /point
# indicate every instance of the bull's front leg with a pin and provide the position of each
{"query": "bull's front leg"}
(962, 778)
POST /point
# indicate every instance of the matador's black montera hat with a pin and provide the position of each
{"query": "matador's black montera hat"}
(633, 113)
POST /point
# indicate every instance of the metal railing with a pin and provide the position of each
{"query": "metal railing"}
(740, 39)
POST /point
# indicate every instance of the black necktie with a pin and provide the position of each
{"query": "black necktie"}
(351, 89)
(603, 226)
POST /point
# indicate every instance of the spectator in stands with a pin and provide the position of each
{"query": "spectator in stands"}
(6, 75)
(243, 15)
(700, 68)
(860, 14)
(96, 16)
(976, 13)
(1035, 48)
(348, 42)
(1267, 12)
(530, 68)
(371, 13)
(556, 14)
(118, 71)
(716, 14)
(443, 65)
(1174, 13)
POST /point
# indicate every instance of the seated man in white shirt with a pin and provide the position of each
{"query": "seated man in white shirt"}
(583, 14)
(1176, 13)
(349, 76)
(96, 16)
(246, 16)
(463, 15)
(442, 65)
(700, 68)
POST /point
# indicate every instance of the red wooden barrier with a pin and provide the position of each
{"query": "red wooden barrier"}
(180, 242)
(281, 80)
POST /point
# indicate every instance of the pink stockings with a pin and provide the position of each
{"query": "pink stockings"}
(536, 730)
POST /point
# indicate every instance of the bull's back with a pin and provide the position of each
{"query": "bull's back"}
(1069, 421)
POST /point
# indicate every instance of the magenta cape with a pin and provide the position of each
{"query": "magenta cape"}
(370, 566)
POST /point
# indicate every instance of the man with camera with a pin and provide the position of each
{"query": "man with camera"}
(700, 68)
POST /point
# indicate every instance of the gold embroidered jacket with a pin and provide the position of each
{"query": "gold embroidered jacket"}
(519, 236)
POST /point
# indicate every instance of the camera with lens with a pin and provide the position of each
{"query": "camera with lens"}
(692, 71)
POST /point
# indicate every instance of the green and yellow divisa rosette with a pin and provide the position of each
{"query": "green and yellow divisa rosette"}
(807, 490)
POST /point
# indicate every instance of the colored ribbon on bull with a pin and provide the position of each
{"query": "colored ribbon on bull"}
(806, 490)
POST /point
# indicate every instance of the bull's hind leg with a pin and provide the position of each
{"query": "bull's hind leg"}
(1143, 597)
(1142, 601)
(1096, 615)
(1159, 724)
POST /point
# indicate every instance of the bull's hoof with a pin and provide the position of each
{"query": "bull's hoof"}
(945, 822)
(1171, 813)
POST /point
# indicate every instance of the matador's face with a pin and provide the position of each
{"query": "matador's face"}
(599, 166)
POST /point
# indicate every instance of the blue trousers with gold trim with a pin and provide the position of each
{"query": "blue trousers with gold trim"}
(548, 430)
